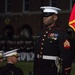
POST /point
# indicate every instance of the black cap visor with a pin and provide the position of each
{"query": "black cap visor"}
(47, 14)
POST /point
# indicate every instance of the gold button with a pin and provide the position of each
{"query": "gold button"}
(43, 39)
(41, 47)
(50, 41)
(42, 43)
(40, 52)
(44, 35)
(46, 31)
(40, 56)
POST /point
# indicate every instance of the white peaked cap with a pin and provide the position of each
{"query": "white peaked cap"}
(10, 53)
(49, 9)
(1, 54)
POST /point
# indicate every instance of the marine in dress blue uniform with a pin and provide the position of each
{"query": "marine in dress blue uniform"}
(10, 68)
(1, 56)
(51, 46)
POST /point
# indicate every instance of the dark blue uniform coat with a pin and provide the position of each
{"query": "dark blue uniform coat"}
(52, 41)
(10, 69)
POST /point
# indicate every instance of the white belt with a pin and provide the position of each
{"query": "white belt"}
(48, 57)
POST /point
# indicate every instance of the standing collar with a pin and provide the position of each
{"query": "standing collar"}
(52, 26)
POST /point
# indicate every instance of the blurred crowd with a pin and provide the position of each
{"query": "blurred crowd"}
(24, 41)
(24, 45)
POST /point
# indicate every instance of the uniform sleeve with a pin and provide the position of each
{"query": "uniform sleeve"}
(65, 50)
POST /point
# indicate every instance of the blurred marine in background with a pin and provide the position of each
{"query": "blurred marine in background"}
(1, 56)
(10, 68)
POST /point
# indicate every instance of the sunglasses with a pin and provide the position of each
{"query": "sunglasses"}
(47, 14)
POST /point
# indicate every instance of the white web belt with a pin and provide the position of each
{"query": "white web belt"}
(55, 58)
(48, 57)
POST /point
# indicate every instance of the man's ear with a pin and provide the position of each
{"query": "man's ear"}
(55, 17)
